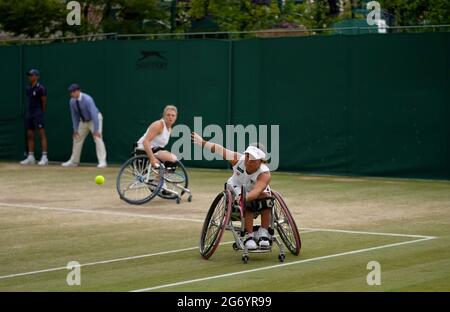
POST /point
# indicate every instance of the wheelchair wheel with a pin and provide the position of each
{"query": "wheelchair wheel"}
(173, 178)
(285, 225)
(215, 224)
(135, 183)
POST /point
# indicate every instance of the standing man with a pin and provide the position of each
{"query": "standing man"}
(85, 118)
(37, 99)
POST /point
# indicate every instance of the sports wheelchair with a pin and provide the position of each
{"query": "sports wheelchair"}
(227, 213)
(138, 182)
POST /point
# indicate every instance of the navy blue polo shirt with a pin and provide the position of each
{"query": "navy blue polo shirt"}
(34, 95)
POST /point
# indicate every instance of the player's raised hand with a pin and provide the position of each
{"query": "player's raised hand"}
(196, 139)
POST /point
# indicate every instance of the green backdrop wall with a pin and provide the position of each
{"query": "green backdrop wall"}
(358, 105)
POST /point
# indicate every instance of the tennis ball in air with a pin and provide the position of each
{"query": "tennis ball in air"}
(99, 179)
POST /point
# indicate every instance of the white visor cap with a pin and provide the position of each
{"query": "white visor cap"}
(255, 153)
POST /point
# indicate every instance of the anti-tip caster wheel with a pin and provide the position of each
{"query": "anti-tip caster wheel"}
(281, 257)
(190, 198)
(245, 259)
(235, 246)
(178, 200)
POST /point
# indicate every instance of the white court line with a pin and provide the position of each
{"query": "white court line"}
(369, 233)
(98, 262)
(305, 230)
(113, 213)
(27, 206)
(117, 260)
(280, 265)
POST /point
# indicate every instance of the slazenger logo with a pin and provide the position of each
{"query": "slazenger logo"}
(152, 60)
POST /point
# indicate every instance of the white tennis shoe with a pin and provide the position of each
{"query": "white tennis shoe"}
(30, 160)
(43, 161)
(250, 242)
(69, 163)
(102, 164)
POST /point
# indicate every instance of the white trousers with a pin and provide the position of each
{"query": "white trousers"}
(83, 130)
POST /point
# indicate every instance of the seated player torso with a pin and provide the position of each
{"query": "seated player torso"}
(241, 178)
(161, 140)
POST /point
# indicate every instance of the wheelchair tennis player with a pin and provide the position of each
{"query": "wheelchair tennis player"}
(156, 138)
(153, 171)
(252, 174)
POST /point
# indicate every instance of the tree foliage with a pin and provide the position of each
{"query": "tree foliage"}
(236, 15)
(135, 16)
(44, 18)
(32, 17)
(418, 12)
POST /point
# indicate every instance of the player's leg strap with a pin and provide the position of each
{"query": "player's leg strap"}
(170, 165)
(261, 204)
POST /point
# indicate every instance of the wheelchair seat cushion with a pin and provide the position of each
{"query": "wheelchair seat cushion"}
(139, 151)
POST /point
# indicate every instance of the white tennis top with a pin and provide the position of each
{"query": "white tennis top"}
(241, 178)
(160, 140)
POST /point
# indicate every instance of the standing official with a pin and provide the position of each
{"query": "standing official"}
(37, 99)
(85, 118)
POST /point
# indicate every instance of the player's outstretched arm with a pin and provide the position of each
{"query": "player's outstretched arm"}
(231, 156)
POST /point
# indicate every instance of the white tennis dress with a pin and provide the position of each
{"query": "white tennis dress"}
(241, 178)
(160, 140)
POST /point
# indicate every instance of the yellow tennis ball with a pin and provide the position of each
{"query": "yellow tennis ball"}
(99, 179)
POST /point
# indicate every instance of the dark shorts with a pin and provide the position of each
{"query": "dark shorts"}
(35, 122)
